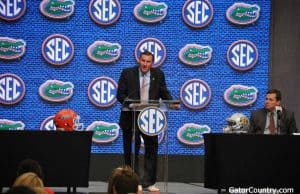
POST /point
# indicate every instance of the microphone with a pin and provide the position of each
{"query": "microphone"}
(278, 111)
(279, 114)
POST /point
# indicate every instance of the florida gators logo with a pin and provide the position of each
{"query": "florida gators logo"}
(197, 13)
(243, 13)
(57, 9)
(195, 94)
(58, 49)
(12, 89)
(242, 55)
(104, 52)
(195, 54)
(11, 49)
(102, 92)
(105, 12)
(192, 134)
(56, 91)
(11, 10)
(240, 95)
(6, 124)
(104, 132)
(156, 47)
(48, 124)
(150, 11)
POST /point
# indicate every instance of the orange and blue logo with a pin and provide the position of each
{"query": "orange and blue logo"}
(152, 121)
(105, 12)
(197, 13)
(195, 94)
(12, 89)
(155, 46)
(12, 10)
(102, 92)
(242, 55)
(58, 49)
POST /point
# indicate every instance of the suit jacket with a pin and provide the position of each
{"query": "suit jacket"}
(258, 121)
(129, 88)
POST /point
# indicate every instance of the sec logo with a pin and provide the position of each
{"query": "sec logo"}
(105, 12)
(195, 94)
(58, 49)
(102, 92)
(197, 13)
(11, 10)
(152, 121)
(156, 47)
(12, 89)
(242, 55)
(48, 124)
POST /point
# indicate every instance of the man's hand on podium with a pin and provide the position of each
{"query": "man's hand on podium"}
(175, 106)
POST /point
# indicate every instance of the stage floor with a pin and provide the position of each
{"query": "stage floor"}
(173, 188)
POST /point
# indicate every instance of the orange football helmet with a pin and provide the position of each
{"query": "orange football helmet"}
(67, 120)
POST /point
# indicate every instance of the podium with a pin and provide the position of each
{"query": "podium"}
(149, 120)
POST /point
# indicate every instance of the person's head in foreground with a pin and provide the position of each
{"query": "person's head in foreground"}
(67, 120)
(123, 181)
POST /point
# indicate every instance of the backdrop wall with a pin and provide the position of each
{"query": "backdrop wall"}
(173, 31)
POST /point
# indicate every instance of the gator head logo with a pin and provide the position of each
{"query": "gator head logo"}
(243, 13)
(11, 125)
(11, 48)
(239, 95)
(104, 132)
(195, 55)
(56, 91)
(11, 10)
(197, 13)
(57, 9)
(192, 134)
(150, 11)
(104, 12)
(48, 124)
(104, 52)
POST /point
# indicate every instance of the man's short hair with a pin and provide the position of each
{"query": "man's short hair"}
(123, 180)
(146, 52)
(276, 92)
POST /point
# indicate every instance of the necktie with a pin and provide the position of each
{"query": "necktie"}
(272, 128)
(143, 90)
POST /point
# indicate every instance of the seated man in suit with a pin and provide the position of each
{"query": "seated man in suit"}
(272, 119)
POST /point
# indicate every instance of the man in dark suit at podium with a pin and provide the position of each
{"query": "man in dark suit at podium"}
(142, 83)
(272, 119)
